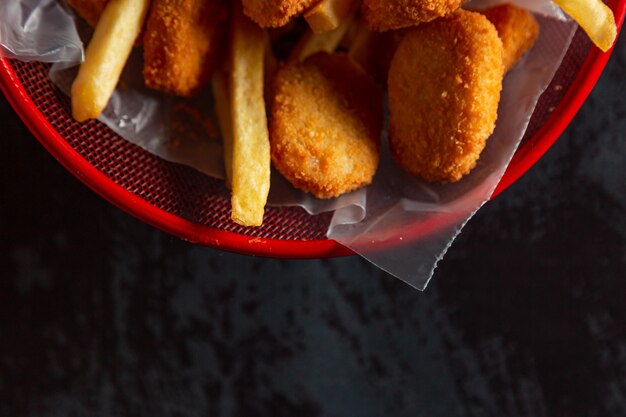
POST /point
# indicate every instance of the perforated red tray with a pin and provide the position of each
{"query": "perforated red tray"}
(187, 204)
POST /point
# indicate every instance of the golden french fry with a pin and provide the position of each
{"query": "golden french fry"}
(271, 68)
(219, 84)
(311, 43)
(595, 17)
(251, 146)
(374, 50)
(106, 55)
(90, 10)
(362, 42)
(328, 14)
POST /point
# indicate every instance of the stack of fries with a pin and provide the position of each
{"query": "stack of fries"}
(183, 61)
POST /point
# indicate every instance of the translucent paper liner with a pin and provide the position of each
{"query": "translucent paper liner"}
(399, 223)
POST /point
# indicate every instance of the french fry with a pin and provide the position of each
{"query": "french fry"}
(311, 43)
(107, 53)
(328, 14)
(374, 50)
(219, 84)
(271, 68)
(362, 42)
(595, 17)
(251, 146)
(90, 10)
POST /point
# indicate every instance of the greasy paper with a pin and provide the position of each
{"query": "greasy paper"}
(400, 223)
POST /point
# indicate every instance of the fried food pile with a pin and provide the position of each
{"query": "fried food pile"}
(300, 83)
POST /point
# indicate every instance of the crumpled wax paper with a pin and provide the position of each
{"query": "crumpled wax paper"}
(399, 223)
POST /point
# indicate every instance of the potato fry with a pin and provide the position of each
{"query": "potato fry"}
(90, 10)
(219, 84)
(251, 146)
(311, 43)
(105, 58)
(271, 68)
(328, 14)
(351, 34)
(374, 50)
(595, 17)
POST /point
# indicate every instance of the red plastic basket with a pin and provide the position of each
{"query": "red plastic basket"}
(194, 207)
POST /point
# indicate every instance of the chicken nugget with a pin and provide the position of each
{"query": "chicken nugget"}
(182, 42)
(327, 117)
(90, 10)
(444, 88)
(275, 13)
(383, 15)
(518, 29)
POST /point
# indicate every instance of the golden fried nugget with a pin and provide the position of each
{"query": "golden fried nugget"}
(383, 15)
(327, 117)
(518, 29)
(183, 40)
(90, 10)
(275, 13)
(444, 88)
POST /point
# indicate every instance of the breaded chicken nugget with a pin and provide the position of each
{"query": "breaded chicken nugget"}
(327, 118)
(382, 15)
(444, 87)
(90, 10)
(275, 13)
(518, 29)
(182, 42)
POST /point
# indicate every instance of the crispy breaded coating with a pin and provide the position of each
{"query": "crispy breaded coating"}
(383, 15)
(444, 88)
(182, 43)
(327, 117)
(275, 13)
(90, 10)
(518, 29)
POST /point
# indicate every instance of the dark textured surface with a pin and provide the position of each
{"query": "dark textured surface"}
(526, 316)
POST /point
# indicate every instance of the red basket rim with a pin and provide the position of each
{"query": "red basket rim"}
(544, 138)
(524, 158)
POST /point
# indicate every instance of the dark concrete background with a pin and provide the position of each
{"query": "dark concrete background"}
(526, 316)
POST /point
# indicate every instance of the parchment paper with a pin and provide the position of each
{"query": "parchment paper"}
(399, 223)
